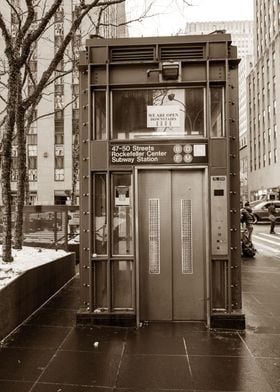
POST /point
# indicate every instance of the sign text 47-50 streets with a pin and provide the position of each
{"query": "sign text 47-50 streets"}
(133, 154)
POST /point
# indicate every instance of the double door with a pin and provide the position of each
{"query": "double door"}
(171, 244)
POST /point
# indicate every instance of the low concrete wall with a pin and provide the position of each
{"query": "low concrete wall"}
(29, 291)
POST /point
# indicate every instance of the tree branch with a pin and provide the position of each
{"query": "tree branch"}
(32, 37)
(7, 37)
(29, 19)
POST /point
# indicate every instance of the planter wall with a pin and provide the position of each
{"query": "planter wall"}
(29, 291)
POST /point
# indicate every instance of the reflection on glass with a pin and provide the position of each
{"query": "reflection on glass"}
(217, 119)
(100, 298)
(158, 113)
(100, 219)
(100, 115)
(122, 285)
(122, 215)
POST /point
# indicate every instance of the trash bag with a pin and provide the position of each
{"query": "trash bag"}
(248, 250)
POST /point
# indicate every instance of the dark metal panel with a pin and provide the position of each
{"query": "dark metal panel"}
(218, 50)
(217, 71)
(217, 153)
(98, 75)
(84, 193)
(233, 128)
(98, 155)
(194, 71)
(132, 74)
(98, 55)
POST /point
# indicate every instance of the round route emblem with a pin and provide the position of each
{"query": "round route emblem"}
(188, 148)
(177, 158)
(177, 148)
(188, 158)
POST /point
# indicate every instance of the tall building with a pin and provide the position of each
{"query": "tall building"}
(242, 36)
(53, 136)
(263, 86)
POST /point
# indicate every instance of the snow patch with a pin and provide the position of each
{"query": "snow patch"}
(24, 260)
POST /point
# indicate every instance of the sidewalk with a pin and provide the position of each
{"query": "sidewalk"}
(49, 354)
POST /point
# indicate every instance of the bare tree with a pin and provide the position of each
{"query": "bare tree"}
(18, 47)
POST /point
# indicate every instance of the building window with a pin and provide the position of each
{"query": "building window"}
(59, 162)
(59, 168)
(32, 150)
(59, 115)
(32, 175)
(59, 175)
(59, 150)
(275, 155)
(32, 162)
(31, 138)
(59, 138)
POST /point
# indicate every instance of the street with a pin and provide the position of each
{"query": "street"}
(265, 243)
(261, 283)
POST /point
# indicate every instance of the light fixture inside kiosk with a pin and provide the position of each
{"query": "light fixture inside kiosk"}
(170, 71)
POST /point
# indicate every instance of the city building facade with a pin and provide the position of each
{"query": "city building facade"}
(263, 85)
(242, 37)
(52, 140)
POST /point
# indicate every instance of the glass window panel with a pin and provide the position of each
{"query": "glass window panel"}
(122, 215)
(100, 297)
(162, 113)
(31, 139)
(217, 112)
(194, 112)
(59, 162)
(122, 285)
(100, 218)
(32, 162)
(100, 115)
(59, 138)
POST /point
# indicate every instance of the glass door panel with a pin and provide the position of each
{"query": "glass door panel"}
(122, 233)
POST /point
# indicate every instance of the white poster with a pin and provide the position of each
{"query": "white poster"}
(163, 116)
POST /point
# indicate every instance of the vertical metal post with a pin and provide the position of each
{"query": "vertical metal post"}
(55, 230)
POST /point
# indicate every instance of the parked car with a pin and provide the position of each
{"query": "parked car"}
(260, 210)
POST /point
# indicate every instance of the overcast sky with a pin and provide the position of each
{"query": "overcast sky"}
(170, 16)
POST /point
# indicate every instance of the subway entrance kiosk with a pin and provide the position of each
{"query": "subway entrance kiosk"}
(159, 181)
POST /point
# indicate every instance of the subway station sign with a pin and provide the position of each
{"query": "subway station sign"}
(153, 154)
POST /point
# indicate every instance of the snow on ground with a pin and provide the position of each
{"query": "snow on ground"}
(25, 259)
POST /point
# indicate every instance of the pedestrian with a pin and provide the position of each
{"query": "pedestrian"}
(272, 217)
(247, 217)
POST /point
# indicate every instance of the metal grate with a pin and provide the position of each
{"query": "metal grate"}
(132, 53)
(181, 52)
(186, 237)
(154, 236)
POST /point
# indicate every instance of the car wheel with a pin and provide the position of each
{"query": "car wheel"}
(256, 219)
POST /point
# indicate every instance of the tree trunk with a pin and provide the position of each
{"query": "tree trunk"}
(7, 165)
(21, 182)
